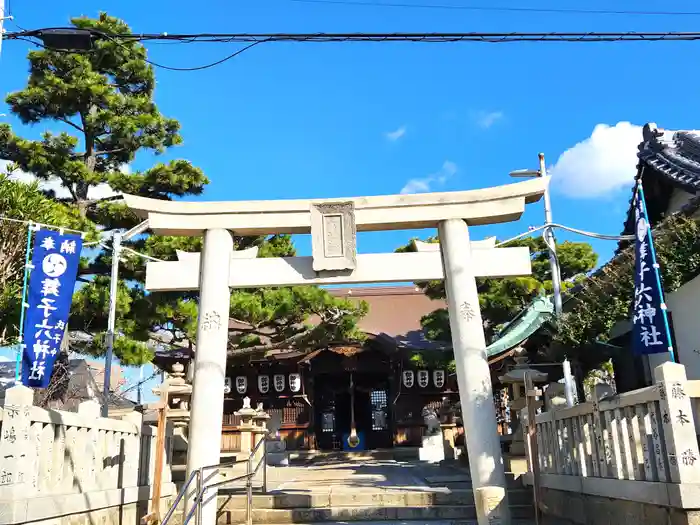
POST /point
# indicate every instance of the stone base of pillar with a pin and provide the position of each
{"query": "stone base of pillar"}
(491, 506)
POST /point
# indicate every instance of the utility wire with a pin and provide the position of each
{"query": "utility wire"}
(195, 68)
(439, 37)
(42, 225)
(254, 39)
(458, 7)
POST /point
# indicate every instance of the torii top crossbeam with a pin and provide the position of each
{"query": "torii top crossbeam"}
(387, 212)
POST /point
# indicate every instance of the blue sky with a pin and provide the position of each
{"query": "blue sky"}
(290, 120)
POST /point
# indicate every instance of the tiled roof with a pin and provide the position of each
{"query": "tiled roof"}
(675, 154)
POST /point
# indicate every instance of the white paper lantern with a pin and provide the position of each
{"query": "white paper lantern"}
(423, 378)
(439, 378)
(408, 378)
(227, 385)
(241, 384)
(278, 381)
(295, 382)
(264, 384)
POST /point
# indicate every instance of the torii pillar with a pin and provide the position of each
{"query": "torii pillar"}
(206, 408)
(333, 224)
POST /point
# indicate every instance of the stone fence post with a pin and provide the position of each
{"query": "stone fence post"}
(15, 446)
(676, 412)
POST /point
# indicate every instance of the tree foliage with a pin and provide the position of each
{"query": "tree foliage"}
(502, 299)
(22, 201)
(606, 297)
(103, 103)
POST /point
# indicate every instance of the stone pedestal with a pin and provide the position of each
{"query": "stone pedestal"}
(555, 397)
(259, 431)
(432, 449)
(179, 394)
(516, 379)
(449, 434)
(247, 427)
(277, 455)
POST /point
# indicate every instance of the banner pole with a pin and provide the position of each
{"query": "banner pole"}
(27, 269)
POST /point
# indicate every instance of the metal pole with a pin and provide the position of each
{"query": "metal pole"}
(569, 384)
(111, 320)
(2, 19)
(138, 391)
(551, 243)
(264, 466)
(199, 497)
(249, 492)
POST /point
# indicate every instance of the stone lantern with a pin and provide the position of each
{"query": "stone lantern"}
(247, 426)
(516, 379)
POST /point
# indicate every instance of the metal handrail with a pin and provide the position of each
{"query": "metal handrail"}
(202, 487)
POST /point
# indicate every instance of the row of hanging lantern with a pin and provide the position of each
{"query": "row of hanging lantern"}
(423, 378)
(279, 382)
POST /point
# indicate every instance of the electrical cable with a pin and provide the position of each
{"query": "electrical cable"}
(513, 36)
(142, 255)
(458, 7)
(194, 68)
(255, 39)
(594, 235)
(42, 225)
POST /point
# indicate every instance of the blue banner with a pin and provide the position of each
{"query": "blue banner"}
(55, 261)
(650, 332)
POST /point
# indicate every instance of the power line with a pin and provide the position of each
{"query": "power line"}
(69, 40)
(195, 68)
(457, 7)
(438, 37)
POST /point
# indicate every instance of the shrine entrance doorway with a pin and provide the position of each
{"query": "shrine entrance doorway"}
(352, 399)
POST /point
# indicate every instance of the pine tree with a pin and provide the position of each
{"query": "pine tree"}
(502, 299)
(103, 103)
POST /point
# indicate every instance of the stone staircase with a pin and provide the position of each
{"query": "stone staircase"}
(433, 506)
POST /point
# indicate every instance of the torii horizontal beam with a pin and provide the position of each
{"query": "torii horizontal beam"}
(388, 212)
(183, 275)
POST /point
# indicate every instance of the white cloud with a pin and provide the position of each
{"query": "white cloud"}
(395, 135)
(601, 164)
(101, 191)
(425, 184)
(486, 119)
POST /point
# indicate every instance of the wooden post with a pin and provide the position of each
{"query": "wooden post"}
(160, 449)
(531, 394)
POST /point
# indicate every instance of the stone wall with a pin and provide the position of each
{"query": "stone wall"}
(586, 509)
(65, 468)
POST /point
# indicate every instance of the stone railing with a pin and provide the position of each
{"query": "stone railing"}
(75, 467)
(639, 446)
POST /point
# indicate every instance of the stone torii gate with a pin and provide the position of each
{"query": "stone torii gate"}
(333, 224)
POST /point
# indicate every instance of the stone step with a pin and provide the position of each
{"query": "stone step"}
(310, 456)
(365, 513)
(526, 521)
(313, 500)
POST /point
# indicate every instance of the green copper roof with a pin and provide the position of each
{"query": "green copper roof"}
(523, 326)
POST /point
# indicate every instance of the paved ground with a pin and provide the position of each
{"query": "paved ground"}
(357, 475)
